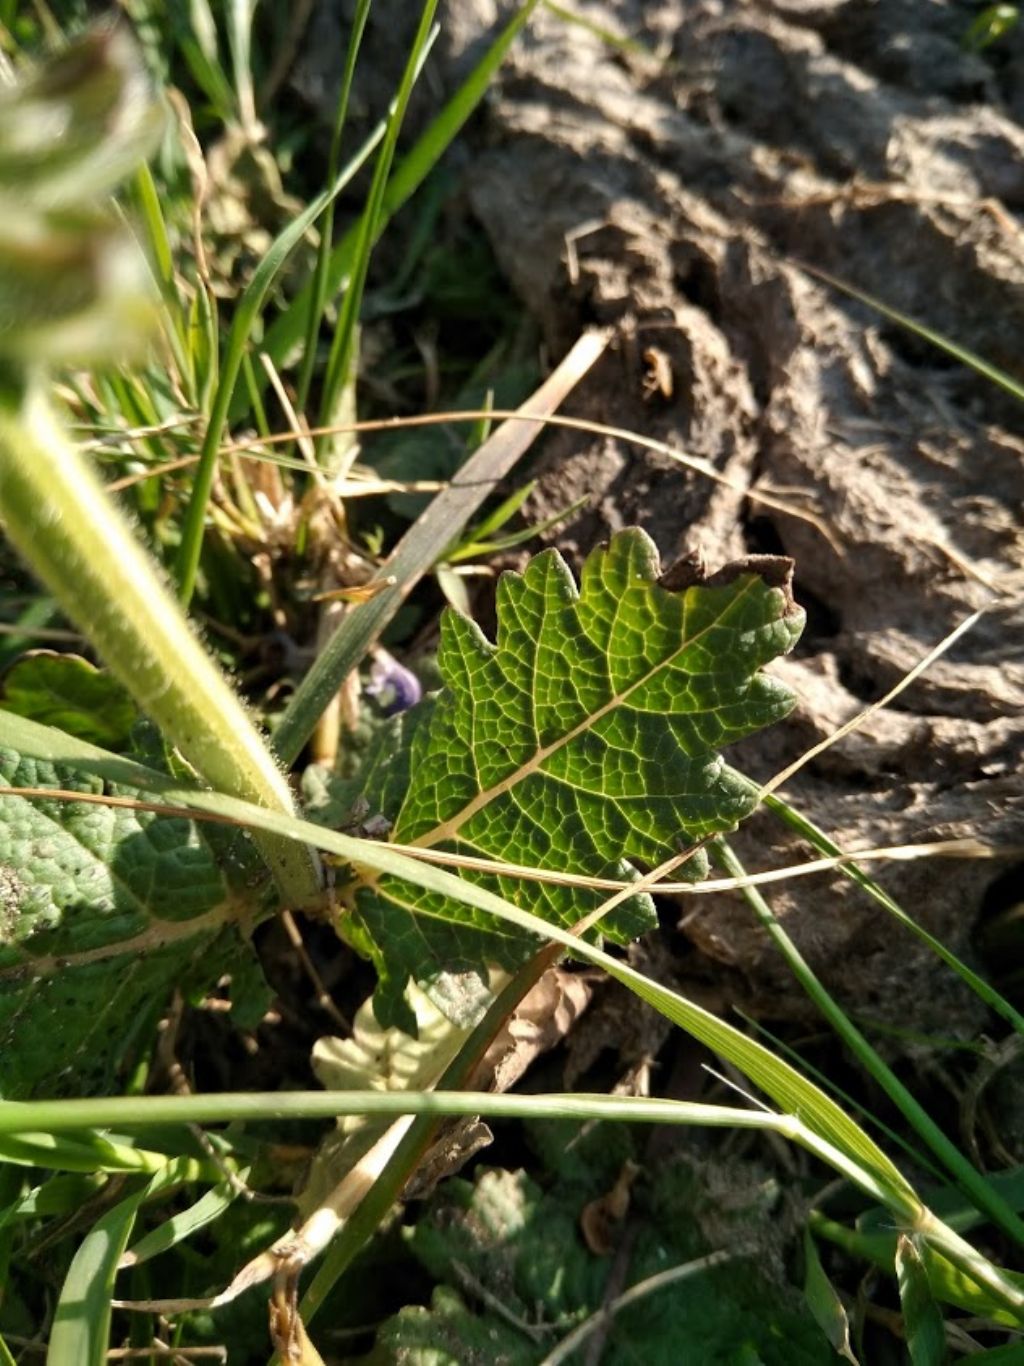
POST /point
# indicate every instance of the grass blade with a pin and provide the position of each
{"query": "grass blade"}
(820, 841)
(922, 1321)
(161, 259)
(183, 1224)
(86, 1153)
(421, 546)
(195, 31)
(246, 313)
(898, 1140)
(949, 1283)
(343, 344)
(239, 16)
(323, 257)
(824, 1302)
(984, 1196)
(229, 1107)
(81, 1324)
(965, 356)
(409, 174)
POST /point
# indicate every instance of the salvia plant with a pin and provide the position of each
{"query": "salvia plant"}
(579, 747)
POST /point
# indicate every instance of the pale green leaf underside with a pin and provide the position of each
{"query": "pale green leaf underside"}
(103, 910)
(68, 692)
(584, 740)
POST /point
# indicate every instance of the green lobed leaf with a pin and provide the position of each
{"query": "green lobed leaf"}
(585, 740)
(103, 911)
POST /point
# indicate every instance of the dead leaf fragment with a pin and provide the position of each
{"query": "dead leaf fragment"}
(540, 1022)
(601, 1221)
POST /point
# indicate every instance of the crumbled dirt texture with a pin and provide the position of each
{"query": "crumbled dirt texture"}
(681, 198)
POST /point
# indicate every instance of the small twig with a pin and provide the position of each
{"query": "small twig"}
(535, 1332)
(323, 996)
(569, 1344)
(613, 1289)
(694, 462)
(167, 1054)
(857, 721)
(956, 848)
(169, 467)
(287, 407)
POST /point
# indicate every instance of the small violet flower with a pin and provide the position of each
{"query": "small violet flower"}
(395, 687)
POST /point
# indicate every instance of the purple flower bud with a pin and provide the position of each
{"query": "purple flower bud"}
(395, 687)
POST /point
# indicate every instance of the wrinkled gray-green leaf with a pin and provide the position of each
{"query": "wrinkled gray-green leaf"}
(103, 912)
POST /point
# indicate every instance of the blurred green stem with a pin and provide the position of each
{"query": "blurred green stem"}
(75, 540)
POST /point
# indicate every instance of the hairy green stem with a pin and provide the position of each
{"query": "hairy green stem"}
(73, 537)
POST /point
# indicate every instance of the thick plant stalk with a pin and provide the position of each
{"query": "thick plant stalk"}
(74, 538)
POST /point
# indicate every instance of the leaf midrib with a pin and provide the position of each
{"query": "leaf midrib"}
(449, 829)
